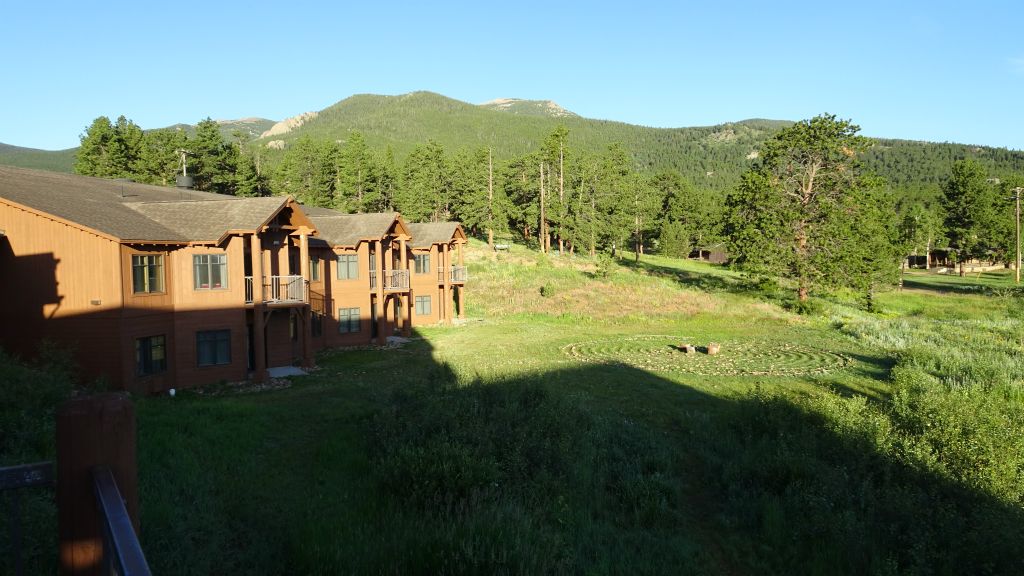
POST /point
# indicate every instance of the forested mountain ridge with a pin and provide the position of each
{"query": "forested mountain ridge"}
(710, 157)
(53, 160)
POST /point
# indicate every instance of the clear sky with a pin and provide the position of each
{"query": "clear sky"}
(939, 71)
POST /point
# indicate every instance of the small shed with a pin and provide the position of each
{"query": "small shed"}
(713, 253)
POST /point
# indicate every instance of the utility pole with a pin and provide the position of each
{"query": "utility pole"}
(1016, 198)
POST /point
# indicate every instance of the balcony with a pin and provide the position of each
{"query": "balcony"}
(277, 290)
(394, 280)
(456, 275)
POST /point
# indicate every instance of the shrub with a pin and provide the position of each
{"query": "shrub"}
(809, 307)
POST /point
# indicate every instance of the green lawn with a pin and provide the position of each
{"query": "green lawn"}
(562, 431)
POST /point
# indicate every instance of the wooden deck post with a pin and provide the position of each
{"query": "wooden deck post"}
(92, 431)
(258, 329)
(446, 300)
(307, 312)
(382, 310)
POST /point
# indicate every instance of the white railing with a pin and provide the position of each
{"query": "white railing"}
(277, 289)
(456, 274)
(459, 274)
(396, 279)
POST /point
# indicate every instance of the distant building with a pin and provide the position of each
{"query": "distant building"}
(713, 253)
(155, 288)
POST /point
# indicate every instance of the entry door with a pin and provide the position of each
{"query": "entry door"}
(373, 320)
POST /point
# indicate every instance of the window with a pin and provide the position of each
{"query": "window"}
(210, 271)
(348, 320)
(314, 269)
(213, 347)
(422, 263)
(293, 328)
(317, 324)
(147, 273)
(348, 266)
(150, 355)
(423, 305)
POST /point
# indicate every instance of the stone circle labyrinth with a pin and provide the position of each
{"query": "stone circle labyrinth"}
(659, 353)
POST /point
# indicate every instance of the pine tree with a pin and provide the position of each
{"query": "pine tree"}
(160, 160)
(797, 211)
(110, 150)
(94, 151)
(307, 172)
(215, 161)
(426, 185)
(357, 175)
(970, 205)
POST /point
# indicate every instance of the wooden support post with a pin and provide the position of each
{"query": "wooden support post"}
(92, 431)
(307, 313)
(407, 312)
(382, 312)
(446, 301)
(462, 305)
(258, 322)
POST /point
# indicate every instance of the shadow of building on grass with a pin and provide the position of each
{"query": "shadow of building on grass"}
(600, 468)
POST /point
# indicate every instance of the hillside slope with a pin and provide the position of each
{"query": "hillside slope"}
(52, 160)
(711, 157)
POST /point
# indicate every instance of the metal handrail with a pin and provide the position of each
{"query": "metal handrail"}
(122, 553)
(22, 476)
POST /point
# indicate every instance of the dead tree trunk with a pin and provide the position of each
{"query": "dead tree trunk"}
(490, 200)
(543, 216)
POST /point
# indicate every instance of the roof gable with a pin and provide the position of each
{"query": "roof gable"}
(427, 234)
(339, 229)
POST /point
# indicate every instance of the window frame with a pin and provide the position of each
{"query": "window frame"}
(148, 278)
(217, 338)
(145, 363)
(351, 263)
(423, 310)
(421, 263)
(209, 266)
(314, 269)
(349, 320)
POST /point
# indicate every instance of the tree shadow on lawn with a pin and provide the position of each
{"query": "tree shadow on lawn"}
(690, 279)
(950, 285)
(606, 468)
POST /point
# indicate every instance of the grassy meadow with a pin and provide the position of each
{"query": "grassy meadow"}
(559, 429)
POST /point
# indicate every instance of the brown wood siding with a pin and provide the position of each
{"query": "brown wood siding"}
(187, 297)
(144, 323)
(188, 324)
(63, 284)
(347, 294)
(281, 351)
(425, 285)
(159, 300)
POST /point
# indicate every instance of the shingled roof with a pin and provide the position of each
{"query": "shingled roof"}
(133, 212)
(430, 233)
(209, 220)
(339, 229)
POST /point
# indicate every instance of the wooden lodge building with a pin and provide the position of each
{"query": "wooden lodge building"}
(154, 288)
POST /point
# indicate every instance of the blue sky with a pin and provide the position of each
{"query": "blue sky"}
(939, 71)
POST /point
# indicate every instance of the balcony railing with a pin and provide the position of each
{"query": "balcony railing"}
(277, 290)
(394, 280)
(456, 274)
